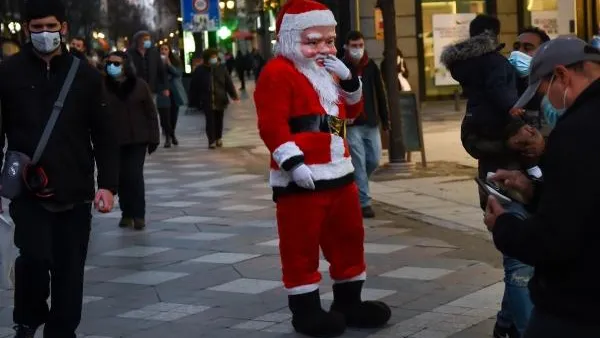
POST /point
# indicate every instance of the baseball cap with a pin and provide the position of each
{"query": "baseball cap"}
(565, 51)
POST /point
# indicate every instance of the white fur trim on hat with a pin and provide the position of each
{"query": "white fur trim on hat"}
(306, 20)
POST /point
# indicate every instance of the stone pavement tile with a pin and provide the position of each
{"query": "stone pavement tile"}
(375, 248)
(223, 181)
(176, 204)
(213, 193)
(243, 208)
(246, 285)
(136, 251)
(479, 274)
(149, 277)
(166, 312)
(115, 327)
(483, 329)
(418, 273)
(223, 258)
(189, 219)
(487, 298)
(367, 294)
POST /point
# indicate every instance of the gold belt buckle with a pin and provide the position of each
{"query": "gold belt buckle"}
(337, 126)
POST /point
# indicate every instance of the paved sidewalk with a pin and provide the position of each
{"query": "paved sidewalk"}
(208, 264)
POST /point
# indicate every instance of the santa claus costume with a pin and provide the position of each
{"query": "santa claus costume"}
(302, 105)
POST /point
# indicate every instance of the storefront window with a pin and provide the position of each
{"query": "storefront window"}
(444, 22)
(556, 17)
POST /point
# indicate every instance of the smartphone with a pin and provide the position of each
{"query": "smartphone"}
(491, 189)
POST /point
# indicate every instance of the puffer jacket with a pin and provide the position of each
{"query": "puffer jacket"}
(489, 82)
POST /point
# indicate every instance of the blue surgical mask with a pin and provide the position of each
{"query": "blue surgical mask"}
(114, 71)
(147, 44)
(213, 61)
(521, 62)
(551, 113)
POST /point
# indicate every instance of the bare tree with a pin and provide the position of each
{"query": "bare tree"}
(388, 12)
(124, 20)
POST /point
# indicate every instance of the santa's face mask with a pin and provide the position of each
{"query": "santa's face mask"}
(316, 43)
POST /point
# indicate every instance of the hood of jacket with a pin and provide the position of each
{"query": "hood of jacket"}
(462, 57)
(122, 90)
(136, 37)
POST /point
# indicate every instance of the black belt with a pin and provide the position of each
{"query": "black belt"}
(318, 123)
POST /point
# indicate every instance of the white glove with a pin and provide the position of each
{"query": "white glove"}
(303, 177)
(337, 67)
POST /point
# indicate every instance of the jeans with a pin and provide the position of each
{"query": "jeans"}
(543, 325)
(52, 252)
(365, 149)
(174, 115)
(131, 181)
(165, 121)
(516, 304)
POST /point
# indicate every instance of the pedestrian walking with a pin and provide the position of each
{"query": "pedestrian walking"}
(490, 83)
(130, 100)
(210, 90)
(147, 62)
(164, 106)
(303, 98)
(364, 136)
(560, 240)
(240, 69)
(178, 95)
(54, 112)
(401, 70)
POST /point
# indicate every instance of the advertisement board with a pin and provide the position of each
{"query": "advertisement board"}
(200, 15)
(448, 29)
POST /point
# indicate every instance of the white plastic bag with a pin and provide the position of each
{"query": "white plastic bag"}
(8, 252)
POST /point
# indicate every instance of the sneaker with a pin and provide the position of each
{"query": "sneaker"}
(503, 332)
(24, 331)
(367, 212)
(126, 222)
(219, 143)
(139, 224)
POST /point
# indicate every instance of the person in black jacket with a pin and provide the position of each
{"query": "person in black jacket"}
(363, 134)
(52, 229)
(148, 64)
(562, 237)
(210, 90)
(489, 82)
(130, 100)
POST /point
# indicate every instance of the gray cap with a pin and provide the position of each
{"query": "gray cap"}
(565, 51)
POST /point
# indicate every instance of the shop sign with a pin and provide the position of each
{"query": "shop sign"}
(448, 29)
(200, 15)
(547, 21)
(378, 24)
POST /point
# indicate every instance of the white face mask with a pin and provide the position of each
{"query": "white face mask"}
(356, 53)
(45, 42)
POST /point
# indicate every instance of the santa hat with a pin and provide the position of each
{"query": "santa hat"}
(298, 15)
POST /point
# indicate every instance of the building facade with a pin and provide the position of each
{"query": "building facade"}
(424, 27)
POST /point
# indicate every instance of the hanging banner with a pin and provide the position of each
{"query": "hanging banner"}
(448, 29)
(200, 15)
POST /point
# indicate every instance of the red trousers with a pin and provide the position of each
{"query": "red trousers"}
(331, 220)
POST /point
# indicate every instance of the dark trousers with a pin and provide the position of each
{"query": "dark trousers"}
(543, 325)
(52, 252)
(174, 115)
(214, 125)
(242, 76)
(132, 192)
(165, 121)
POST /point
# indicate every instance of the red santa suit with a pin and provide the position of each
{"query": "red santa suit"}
(300, 127)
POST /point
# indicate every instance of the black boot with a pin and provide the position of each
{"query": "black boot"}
(359, 314)
(23, 331)
(174, 140)
(310, 319)
(168, 142)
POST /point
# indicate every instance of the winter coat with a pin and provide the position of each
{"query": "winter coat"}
(489, 82)
(132, 104)
(374, 94)
(210, 88)
(84, 132)
(149, 66)
(176, 85)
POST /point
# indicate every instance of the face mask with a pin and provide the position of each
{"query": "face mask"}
(213, 61)
(356, 53)
(521, 62)
(45, 42)
(552, 113)
(147, 44)
(114, 71)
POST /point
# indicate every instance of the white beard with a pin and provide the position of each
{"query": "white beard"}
(321, 80)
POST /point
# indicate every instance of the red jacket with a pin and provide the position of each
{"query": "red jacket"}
(284, 95)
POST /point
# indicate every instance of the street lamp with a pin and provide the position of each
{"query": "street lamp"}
(230, 4)
(172, 35)
(14, 27)
(101, 35)
(95, 35)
